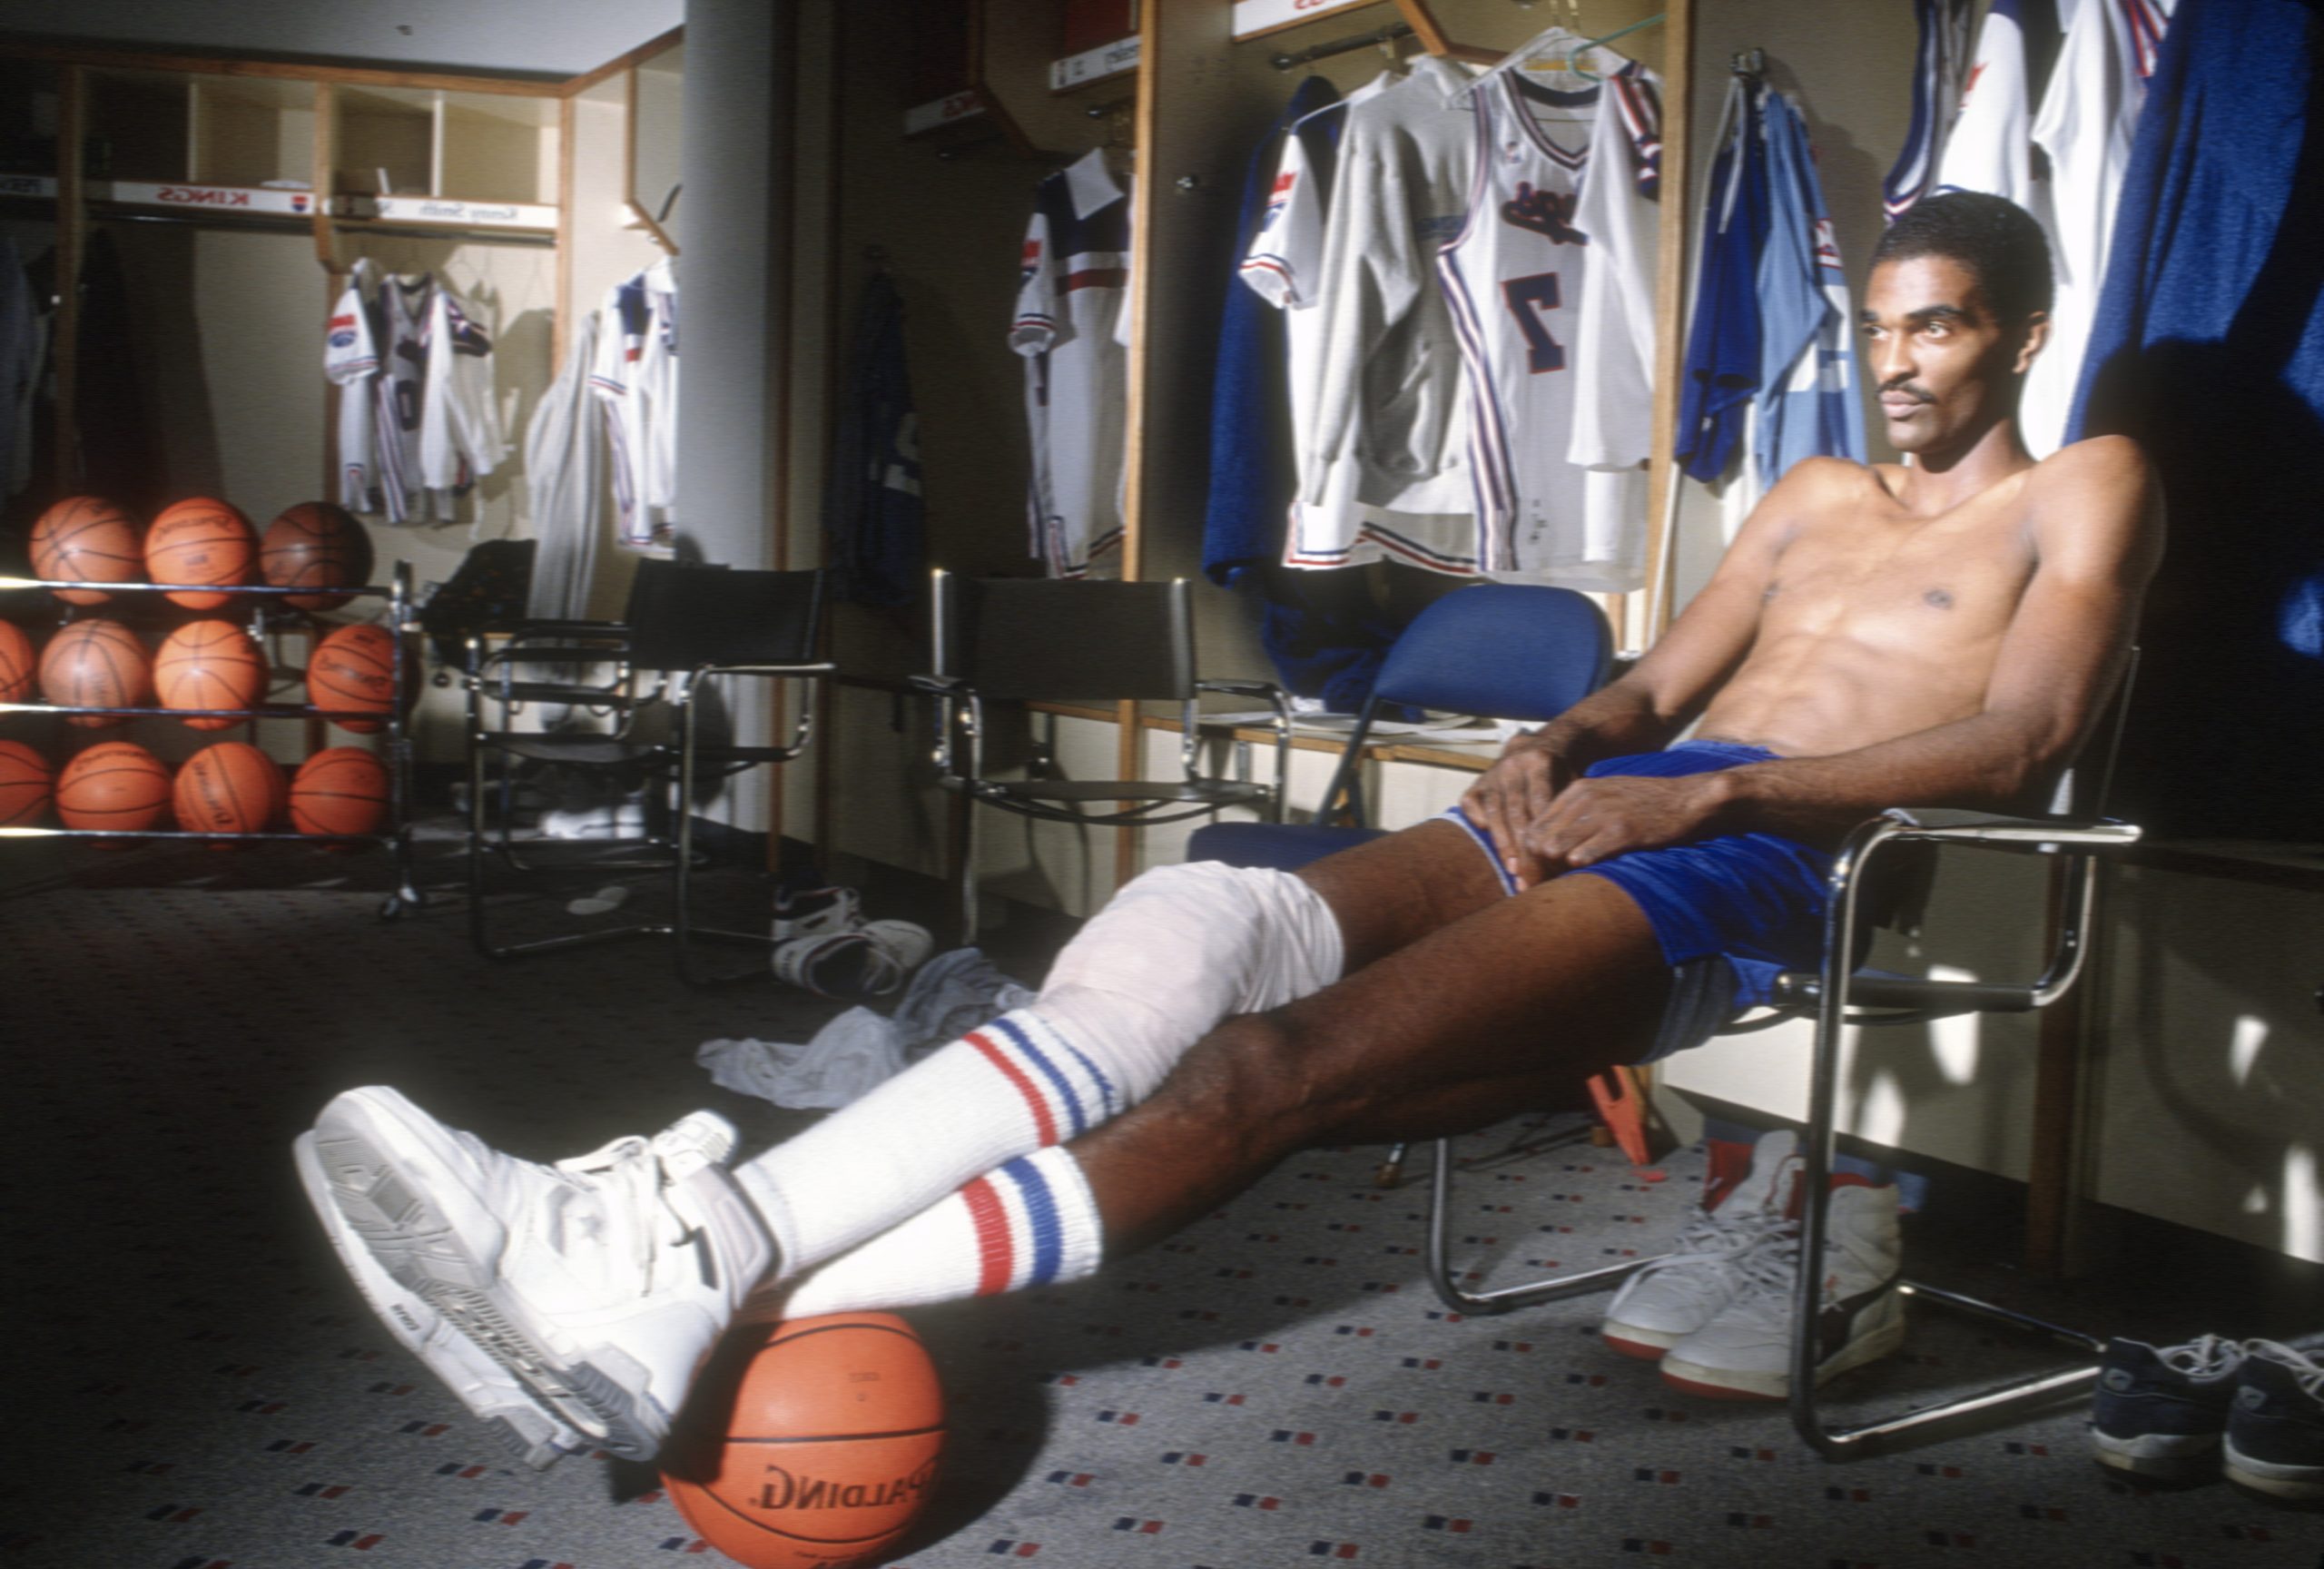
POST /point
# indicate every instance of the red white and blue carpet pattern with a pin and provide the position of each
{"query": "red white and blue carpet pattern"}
(192, 1384)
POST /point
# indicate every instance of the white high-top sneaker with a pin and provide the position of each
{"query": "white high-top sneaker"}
(1685, 1289)
(1744, 1352)
(483, 1385)
(599, 1283)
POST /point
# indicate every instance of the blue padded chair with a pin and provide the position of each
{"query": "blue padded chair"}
(1497, 650)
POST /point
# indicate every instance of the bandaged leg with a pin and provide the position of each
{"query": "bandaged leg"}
(1172, 955)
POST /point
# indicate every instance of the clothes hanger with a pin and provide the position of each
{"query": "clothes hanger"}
(1557, 48)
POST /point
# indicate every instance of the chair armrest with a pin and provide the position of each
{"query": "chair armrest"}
(1940, 825)
(569, 628)
(798, 671)
(1266, 689)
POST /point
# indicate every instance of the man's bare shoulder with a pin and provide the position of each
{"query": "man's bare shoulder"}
(1838, 477)
(2097, 459)
(1816, 488)
(2098, 503)
(2096, 481)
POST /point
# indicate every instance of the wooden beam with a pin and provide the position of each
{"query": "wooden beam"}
(284, 70)
(1663, 477)
(72, 239)
(568, 128)
(1129, 740)
(1436, 40)
(323, 157)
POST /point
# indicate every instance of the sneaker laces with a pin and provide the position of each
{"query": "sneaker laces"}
(1772, 1269)
(630, 1168)
(2206, 1358)
(1711, 1238)
(2306, 1371)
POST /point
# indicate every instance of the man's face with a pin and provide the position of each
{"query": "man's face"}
(1945, 368)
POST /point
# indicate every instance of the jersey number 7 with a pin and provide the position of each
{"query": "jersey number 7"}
(1529, 299)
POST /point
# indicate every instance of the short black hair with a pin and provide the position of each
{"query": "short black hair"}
(1992, 237)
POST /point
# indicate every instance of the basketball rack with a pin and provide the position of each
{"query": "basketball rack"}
(396, 743)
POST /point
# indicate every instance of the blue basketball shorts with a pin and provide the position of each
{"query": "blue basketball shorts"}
(1730, 914)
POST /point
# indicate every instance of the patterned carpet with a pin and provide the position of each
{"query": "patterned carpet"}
(192, 1385)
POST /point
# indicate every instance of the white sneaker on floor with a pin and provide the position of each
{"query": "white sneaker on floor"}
(1744, 1352)
(869, 961)
(482, 1385)
(1678, 1294)
(816, 913)
(599, 1283)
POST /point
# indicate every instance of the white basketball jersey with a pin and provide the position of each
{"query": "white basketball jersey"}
(658, 380)
(624, 325)
(1071, 316)
(1550, 284)
(1284, 266)
(1990, 147)
(351, 361)
(434, 427)
(1390, 422)
(2088, 115)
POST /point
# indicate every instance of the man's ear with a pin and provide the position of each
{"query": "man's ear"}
(2037, 334)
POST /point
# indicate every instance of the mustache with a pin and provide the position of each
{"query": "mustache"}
(1910, 390)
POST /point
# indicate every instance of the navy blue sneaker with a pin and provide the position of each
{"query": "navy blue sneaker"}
(2160, 1412)
(2275, 1433)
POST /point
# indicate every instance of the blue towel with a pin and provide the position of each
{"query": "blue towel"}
(2209, 347)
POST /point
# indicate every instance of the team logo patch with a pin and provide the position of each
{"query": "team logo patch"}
(1545, 212)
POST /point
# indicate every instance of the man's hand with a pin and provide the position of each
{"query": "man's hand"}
(1592, 820)
(1512, 794)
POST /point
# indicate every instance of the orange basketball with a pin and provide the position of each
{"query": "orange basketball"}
(95, 663)
(810, 1445)
(112, 784)
(339, 790)
(87, 539)
(18, 664)
(315, 545)
(200, 540)
(210, 665)
(231, 788)
(354, 670)
(25, 783)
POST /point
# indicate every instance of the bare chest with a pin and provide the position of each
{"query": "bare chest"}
(1925, 584)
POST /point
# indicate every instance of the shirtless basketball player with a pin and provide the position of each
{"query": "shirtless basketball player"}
(1938, 634)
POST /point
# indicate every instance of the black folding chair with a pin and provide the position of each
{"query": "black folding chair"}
(1034, 640)
(651, 674)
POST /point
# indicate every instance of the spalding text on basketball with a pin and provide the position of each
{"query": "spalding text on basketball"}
(781, 1490)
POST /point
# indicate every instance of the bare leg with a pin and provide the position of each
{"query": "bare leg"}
(1502, 1008)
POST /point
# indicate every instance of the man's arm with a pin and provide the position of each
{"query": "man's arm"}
(2095, 513)
(1655, 699)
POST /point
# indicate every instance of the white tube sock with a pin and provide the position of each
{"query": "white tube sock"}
(1031, 1223)
(1172, 955)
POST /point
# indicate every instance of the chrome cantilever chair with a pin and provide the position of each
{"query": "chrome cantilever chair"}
(1841, 994)
(683, 627)
(1046, 640)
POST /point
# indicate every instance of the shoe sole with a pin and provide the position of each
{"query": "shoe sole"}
(2301, 1484)
(532, 1434)
(1629, 1340)
(412, 1210)
(2164, 1456)
(1742, 1384)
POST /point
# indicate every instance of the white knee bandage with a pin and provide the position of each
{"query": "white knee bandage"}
(1179, 949)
